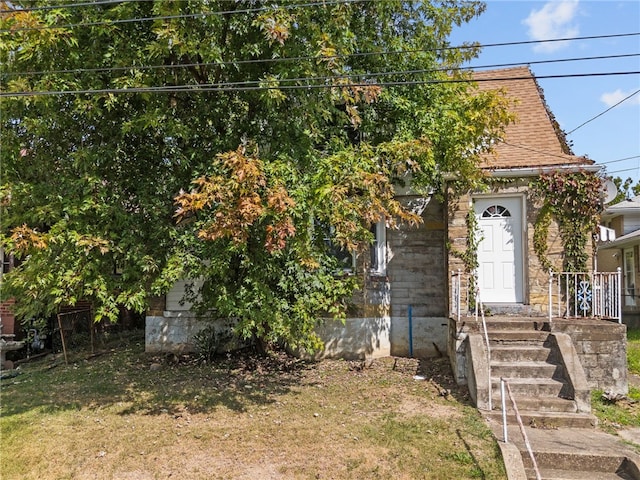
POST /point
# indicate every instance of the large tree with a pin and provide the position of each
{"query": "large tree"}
(233, 142)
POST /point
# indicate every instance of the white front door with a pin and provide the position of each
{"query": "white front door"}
(500, 271)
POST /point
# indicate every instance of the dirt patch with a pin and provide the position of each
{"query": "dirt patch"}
(242, 417)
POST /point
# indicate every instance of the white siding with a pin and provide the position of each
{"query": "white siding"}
(176, 294)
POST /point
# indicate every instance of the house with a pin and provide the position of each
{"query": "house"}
(405, 306)
(622, 250)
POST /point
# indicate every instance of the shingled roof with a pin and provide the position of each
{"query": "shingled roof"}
(534, 139)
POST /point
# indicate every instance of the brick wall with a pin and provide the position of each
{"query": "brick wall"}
(7, 318)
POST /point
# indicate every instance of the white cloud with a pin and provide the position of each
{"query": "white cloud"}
(554, 20)
(612, 98)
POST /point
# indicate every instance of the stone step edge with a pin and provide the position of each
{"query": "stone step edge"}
(558, 474)
(546, 419)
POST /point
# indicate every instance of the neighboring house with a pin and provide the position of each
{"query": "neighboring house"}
(404, 308)
(623, 252)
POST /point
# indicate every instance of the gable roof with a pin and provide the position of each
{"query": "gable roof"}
(630, 206)
(533, 140)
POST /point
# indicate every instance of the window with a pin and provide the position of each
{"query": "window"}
(629, 278)
(7, 262)
(496, 211)
(378, 249)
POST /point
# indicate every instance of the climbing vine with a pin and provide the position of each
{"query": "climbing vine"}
(469, 255)
(574, 200)
(540, 236)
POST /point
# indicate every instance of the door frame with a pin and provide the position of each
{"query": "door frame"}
(519, 262)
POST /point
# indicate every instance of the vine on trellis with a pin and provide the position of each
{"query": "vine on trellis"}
(574, 199)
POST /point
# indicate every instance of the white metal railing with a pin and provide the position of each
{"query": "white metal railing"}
(504, 386)
(480, 307)
(462, 289)
(457, 305)
(586, 294)
(456, 295)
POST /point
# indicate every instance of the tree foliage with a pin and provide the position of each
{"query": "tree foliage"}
(223, 141)
(626, 189)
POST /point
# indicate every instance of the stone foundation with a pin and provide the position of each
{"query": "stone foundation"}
(428, 337)
(602, 349)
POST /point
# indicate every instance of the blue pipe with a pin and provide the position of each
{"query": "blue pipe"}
(410, 331)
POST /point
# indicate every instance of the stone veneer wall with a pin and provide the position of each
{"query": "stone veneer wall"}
(602, 349)
(536, 279)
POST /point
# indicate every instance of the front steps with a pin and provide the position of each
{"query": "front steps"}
(531, 360)
(551, 393)
(569, 454)
(563, 466)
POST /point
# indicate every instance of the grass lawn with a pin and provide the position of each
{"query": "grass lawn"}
(625, 413)
(127, 415)
(633, 351)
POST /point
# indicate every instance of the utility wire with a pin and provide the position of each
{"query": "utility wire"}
(243, 86)
(95, 3)
(625, 170)
(620, 160)
(297, 59)
(180, 16)
(548, 154)
(300, 5)
(602, 113)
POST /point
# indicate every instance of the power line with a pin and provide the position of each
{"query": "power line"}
(69, 5)
(619, 160)
(179, 16)
(535, 150)
(602, 113)
(244, 86)
(625, 170)
(293, 6)
(297, 59)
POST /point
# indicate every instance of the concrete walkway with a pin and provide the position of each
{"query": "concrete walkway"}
(576, 451)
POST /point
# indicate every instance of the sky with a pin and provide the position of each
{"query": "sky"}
(613, 138)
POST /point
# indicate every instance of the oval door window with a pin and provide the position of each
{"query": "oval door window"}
(496, 211)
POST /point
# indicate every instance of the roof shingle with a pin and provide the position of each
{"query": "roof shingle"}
(532, 141)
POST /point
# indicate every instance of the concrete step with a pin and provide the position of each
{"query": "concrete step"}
(546, 420)
(576, 461)
(555, 474)
(555, 465)
(524, 369)
(516, 323)
(539, 404)
(534, 387)
(517, 337)
(520, 353)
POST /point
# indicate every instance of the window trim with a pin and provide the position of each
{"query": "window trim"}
(629, 277)
(378, 249)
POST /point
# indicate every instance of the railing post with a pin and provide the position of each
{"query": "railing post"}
(459, 293)
(550, 295)
(619, 299)
(503, 399)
